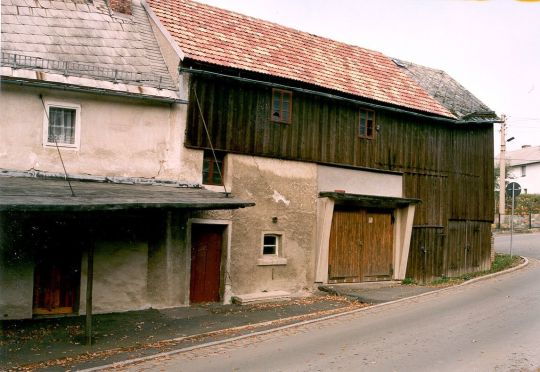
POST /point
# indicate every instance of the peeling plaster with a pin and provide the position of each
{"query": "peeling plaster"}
(280, 198)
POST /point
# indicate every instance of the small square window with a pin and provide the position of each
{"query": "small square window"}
(366, 125)
(281, 106)
(271, 244)
(61, 125)
(213, 168)
(272, 250)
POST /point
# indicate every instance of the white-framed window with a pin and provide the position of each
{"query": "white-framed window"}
(523, 170)
(272, 249)
(271, 244)
(62, 124)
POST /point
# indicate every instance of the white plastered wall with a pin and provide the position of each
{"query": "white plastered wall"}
(118, 136)
(362, 182)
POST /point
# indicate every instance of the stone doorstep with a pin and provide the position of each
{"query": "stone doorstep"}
(259, 297)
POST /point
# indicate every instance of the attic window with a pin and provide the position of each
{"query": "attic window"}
(281, 106)
(366, 124)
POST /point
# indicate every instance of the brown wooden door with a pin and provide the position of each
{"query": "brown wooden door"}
(346, 245)
(378, 243)
(206, 243)
(56, 287)
(361, 245)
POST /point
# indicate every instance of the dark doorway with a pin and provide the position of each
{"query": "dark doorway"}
(56, 283)
(206, 248)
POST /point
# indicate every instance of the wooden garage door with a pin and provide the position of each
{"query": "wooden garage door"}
(206, 242)
(361, 245)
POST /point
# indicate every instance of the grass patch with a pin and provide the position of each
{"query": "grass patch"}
(501, 262)
(408, 281)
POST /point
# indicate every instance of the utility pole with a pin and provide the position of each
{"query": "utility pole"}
(502, 168)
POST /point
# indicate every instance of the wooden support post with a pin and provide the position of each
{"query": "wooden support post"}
(89, 283)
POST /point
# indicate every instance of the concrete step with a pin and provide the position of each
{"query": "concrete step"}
(258, 297)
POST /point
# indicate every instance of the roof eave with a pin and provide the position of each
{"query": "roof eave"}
(167, 98)
(359, 101)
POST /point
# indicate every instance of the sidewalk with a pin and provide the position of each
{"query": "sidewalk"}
(58, 343)
(376, 292)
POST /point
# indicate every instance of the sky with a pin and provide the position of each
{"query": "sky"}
(490, 47)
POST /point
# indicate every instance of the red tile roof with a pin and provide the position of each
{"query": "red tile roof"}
(221, 37)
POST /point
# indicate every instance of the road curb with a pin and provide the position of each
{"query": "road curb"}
(298, 324)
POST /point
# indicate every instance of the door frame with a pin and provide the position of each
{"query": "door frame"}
(225, 282)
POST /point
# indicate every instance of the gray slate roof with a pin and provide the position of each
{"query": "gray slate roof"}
(96, 42)
(447, 91)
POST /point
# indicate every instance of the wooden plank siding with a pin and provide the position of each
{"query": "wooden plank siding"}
(448, 166)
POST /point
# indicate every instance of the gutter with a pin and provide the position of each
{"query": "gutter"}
(84, 89)
(340, 98)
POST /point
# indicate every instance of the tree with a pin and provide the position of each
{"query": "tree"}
(528, 204)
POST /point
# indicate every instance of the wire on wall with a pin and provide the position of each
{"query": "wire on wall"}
(210, 141)
(57, 148)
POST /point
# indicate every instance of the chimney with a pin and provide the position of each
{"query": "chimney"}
(120, 6)
(525, 146)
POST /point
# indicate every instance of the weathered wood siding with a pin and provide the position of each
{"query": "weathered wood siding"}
(448, 166)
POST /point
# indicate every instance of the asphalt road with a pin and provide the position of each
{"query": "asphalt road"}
(489, 325)
(527, 245)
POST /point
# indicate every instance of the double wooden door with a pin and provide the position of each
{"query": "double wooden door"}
(361, 245)
(206, 249)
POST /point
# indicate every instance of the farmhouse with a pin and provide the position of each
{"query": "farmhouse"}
(169, 116)
(363, 167)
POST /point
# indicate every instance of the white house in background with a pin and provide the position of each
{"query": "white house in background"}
(524, 168)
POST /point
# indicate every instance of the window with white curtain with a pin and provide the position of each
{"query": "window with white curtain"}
(61, 125)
